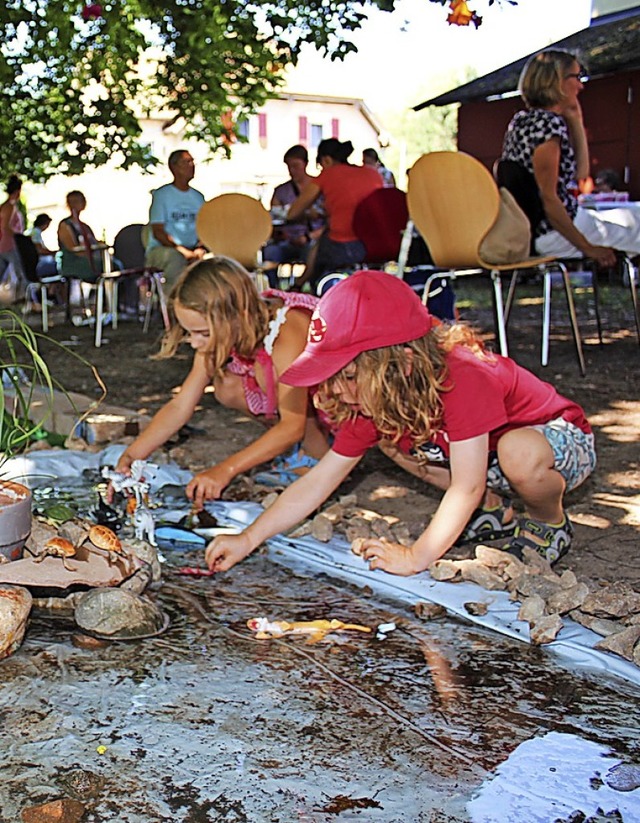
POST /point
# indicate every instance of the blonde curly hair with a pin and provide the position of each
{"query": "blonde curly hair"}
(237, 317)
(400, 386)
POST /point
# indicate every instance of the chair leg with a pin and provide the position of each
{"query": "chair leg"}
(44, 297)
(631, 274)
(500, 318)
(572, 315)
(546, 316)
(510, 296)
(595, 288)
(99, 312)
(162, 300)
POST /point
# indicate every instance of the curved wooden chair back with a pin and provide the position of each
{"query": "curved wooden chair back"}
(453, 201)
(234, 225)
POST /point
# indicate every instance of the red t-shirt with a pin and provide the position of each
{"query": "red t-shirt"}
(487, 396)
(344, 187)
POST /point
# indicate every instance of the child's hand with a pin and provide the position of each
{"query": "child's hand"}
(390, 557)
(226, 550)
(208, 485)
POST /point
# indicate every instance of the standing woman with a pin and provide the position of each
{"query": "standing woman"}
(12, 223)
(344, 187)
(550, 141)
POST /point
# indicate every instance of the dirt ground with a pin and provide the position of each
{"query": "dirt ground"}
(605, 510)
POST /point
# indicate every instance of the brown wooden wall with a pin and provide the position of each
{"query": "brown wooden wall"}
(611, 108)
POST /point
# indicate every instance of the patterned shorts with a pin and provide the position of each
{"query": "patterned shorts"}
(573, 451)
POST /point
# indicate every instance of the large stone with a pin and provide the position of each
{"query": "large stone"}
(617, 600)
(545, 629)
(64, 810)
(621, 643)
(474, 572)
(15, 605)
(565, 600)
(532, 609)
(119, 614)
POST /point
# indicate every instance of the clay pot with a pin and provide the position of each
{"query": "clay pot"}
(15, 518)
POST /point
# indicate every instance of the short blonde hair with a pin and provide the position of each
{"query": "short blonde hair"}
(222, 291)
(541, 79)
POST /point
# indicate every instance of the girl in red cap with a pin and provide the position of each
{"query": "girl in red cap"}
(472, 423)
(243, 341)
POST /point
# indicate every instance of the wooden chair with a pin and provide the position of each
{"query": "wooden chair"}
(235, 226)
(454, 202)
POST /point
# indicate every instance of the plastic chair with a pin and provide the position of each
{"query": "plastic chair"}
(235, 225)
(379, 221)
(454, 202)
(129, 248)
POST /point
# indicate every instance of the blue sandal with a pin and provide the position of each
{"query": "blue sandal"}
(283, 470)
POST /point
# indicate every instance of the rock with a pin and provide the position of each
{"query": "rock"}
(381, 528)
(533, 560)
(500, 561)
(621, 643)
(118, 613)
(444, 569)
(617, 600)
(269, 499)
(532, 609)
(322, 528)
(335, 512)
(568, 579)
(624, 777)
(138, 582)
(565, 600)
(402, 535)
(147, 553)
(86, 641)
(347, 500)
(545, 629)
(357, 527)
(475, 572)
(543, 585)
(15, 605)
(600, 625)
(429, 611)
(357, 545)
(63, 604)
(64, 810)
(477, 609)
(302, 530)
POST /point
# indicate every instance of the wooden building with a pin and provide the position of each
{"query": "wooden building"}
(610, 51)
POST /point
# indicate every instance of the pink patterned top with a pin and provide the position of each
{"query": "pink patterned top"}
(262, 402)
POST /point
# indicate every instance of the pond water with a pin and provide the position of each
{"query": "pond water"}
(439, 722)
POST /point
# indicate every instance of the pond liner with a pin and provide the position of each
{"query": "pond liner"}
(574, 643)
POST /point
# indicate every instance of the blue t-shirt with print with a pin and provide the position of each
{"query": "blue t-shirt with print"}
(176, 210)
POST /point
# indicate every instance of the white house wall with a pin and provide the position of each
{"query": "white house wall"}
(116, 198)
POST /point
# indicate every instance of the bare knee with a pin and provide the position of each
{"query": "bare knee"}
(524, 455)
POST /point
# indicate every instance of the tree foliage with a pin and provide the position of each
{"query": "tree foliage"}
(75, 77)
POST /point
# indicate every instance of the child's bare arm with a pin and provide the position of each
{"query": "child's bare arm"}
(293, 505)
(292, 413)
(170, 418)
(468, 459)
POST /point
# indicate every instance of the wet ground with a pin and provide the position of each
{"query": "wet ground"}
(206, 723)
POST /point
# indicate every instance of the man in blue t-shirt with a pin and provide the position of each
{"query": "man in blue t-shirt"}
(173, 242)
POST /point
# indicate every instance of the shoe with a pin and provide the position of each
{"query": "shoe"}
(286, 469)
(489, 524)
(551, 542)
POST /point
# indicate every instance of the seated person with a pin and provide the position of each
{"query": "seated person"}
(371, 158)
(46, 257)
(344, 187)
(291, 242)
(549, 140)
(78, 256)
(174, 207)
(607, 180)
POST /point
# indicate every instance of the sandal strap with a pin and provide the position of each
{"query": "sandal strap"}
(550, 541)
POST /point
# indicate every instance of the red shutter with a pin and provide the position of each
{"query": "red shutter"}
(262, 129)
(303, 130)
(335, 128)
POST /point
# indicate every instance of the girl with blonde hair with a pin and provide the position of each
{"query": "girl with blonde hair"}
(243, 342)
(472, 423)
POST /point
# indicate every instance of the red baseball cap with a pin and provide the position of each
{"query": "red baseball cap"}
(368, 310)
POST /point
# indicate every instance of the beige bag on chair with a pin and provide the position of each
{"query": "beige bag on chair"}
(509, 239)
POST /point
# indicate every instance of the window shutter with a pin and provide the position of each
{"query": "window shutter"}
(335, 127)
(262, 129)
(303, 130)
